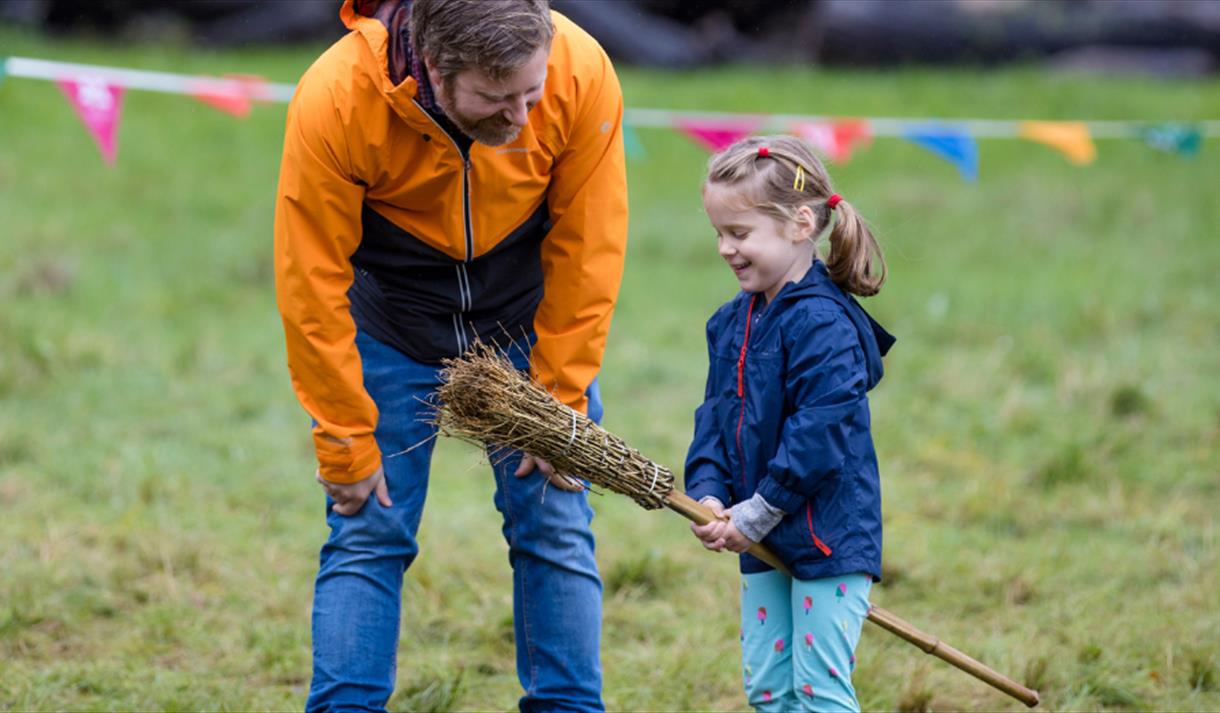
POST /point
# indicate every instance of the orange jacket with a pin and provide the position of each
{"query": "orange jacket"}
(355, 142)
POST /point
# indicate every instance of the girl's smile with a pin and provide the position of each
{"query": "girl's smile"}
(764, 252)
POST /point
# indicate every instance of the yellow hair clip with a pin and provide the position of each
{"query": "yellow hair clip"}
(798, 183)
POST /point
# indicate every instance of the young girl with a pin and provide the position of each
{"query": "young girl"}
(783, 433)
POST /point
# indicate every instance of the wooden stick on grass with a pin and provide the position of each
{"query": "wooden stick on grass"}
(484, 399)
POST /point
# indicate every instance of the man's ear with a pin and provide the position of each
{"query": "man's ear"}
(434, 77)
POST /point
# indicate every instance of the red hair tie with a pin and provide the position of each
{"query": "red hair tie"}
(833, 200)
(763, 152)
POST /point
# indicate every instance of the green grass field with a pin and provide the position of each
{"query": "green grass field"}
(1049, 424)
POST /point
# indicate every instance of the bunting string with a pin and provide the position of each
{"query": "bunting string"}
(150, 81)
(96, 93)
(896, 127)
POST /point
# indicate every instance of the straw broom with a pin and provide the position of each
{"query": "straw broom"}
(484, 399)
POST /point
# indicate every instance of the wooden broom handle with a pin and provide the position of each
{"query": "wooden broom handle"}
(932, 645)
(701, 514)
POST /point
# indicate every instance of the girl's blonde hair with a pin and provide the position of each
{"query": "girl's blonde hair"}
(787, 175)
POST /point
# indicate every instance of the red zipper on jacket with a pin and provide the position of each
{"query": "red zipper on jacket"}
(741, 387)
(817, 541)
(741, 417)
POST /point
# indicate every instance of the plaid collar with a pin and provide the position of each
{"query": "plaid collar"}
(396, 16)
(423, 92)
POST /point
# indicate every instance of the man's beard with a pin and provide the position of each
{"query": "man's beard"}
(490, 131)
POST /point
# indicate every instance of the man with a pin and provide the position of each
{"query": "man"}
(453, 170)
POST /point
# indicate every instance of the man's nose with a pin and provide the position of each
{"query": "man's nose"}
(517, 111)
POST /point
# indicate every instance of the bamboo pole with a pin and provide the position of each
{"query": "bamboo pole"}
(932, 645)
(701, 514)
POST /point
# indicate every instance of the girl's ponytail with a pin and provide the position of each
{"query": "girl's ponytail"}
(855, 262)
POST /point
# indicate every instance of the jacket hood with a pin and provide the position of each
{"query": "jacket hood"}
(385, 28)
(875, 341)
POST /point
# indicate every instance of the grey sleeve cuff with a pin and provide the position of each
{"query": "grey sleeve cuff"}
(756, 517)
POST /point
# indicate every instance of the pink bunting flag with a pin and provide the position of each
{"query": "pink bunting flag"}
(836, 140)
(98, 105)
(717, 134)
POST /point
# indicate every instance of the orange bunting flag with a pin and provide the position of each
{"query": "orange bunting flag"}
(836, 140)
(236, 102)
(1071, 138)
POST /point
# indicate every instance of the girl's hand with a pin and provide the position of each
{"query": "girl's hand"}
(712, 534)
(734, 541)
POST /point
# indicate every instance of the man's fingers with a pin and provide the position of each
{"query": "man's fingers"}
(383, 493)
(563, 481)
(526, 466)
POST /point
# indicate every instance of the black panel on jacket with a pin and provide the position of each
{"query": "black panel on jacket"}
(430, 306)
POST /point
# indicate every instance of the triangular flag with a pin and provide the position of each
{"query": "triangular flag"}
(955, 145)
(237, 101)
(717, 134)
(98, 104)
(234, 104)
(836, 140)
(254, 85)
(1071, 138)
(632, 145)
(1173, 138)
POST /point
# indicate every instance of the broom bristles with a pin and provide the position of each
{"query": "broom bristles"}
(486, 400)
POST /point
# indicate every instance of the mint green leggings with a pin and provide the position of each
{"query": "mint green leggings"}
(798, 640)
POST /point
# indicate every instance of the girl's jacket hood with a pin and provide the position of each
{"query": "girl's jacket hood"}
(874, 340)
(785, 415)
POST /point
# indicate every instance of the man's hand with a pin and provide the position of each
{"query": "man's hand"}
(563, 481)
(350, 497)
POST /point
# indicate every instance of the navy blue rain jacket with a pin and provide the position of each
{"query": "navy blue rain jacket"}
(786, 415)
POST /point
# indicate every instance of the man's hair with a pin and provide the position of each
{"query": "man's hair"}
(496, 37)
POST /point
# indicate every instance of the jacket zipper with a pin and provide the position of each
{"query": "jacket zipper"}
(741, 417)
(741, 387)
(817, 541)
(464, 297)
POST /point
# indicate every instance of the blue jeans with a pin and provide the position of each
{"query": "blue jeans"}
(358, 593)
